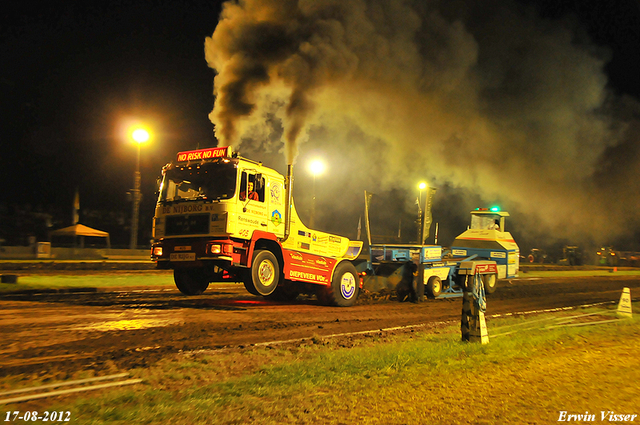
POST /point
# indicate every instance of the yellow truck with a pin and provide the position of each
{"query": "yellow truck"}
(221, 217)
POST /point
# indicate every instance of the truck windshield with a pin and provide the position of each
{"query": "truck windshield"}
(208, 181)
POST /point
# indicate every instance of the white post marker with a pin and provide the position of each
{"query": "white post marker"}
(624, 306)
(484, 334)
(476, 320)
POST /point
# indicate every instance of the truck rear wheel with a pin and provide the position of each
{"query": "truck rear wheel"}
(265, 274)
(490, 282)
(345, 285)
(434, 287)
(190, 281)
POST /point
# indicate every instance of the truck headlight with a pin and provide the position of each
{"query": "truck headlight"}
(214, 248)
(218, 248)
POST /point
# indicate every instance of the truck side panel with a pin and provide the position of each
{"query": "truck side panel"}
(303, 267)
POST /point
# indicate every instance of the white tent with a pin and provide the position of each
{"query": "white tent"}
(82, 231)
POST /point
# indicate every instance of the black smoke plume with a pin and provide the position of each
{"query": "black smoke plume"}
(484, 96)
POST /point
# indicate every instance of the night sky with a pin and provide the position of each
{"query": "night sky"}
(75, 73)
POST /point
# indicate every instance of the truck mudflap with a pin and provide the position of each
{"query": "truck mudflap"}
(354, 249)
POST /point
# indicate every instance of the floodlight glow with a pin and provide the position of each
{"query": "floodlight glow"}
(317, 167)
(140, 135)
(422, 185)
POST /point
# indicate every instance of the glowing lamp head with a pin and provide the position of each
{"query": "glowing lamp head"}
(316, 167)
(422, 186)
(140, 135)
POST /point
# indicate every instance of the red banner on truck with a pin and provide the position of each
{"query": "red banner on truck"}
(305, 267)
(200, 154)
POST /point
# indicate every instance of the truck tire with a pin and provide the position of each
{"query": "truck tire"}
(265, 273)
(345, 286)
(190, 281)
(434, 287)
(248, 283)
(490, 282)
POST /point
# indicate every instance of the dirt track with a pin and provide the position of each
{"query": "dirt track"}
(60, 334)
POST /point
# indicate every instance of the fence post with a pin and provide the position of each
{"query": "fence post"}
(472, 324)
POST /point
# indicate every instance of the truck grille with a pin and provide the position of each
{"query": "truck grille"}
(195, 224)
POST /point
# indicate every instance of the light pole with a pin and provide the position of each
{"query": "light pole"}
(140, 136)
(422, 186)
(317, 167)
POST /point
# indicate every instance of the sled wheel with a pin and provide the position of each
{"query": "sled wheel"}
(434, 287)
(490, 282)
(190, 281)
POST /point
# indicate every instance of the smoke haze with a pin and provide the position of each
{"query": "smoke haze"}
(478, 97)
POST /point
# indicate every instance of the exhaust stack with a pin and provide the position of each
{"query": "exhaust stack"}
(288, 183)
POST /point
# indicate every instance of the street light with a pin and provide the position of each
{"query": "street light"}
(422, 186)
(140, 136)
(316, 167)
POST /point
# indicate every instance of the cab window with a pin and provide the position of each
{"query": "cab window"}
(251, 187)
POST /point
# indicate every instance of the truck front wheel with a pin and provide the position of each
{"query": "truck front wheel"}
(190, 281)
(265, 274)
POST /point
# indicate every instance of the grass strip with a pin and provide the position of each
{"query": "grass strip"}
(578, 273)
(527, 377)
(89, 281)
(27, 282)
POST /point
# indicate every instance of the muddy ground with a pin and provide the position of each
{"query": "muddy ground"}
(120, 328)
